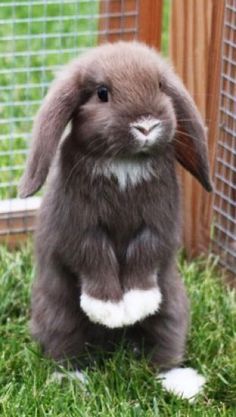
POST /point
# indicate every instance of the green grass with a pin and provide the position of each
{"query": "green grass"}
(120, 386)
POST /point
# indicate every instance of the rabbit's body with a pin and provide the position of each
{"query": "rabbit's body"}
(112, 240)
(119, 219)
(109, 225)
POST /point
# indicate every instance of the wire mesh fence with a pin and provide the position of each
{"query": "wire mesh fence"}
(37, 37)
(225, 169)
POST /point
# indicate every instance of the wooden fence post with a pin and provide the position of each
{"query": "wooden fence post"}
(196, 33)
(131, 19)
(213, 103)
(150, 22)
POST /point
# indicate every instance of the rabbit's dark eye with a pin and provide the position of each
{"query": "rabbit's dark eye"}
(102, 93)
(160, 85)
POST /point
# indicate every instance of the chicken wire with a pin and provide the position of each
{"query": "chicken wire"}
(225, 168)
(37, 37)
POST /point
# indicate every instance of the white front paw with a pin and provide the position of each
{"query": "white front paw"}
(139, 304)
(183, 382)
(135, 306)
(109, 313)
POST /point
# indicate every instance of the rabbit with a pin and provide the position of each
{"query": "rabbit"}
(109, 224)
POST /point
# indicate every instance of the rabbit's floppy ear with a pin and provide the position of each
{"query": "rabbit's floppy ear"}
(190, 140)
(51, 120)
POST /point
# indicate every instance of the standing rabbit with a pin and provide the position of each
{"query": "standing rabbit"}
(109, 223)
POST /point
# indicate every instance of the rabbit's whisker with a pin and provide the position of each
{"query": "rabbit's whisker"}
(93, 150)
(181, 132)
(78, 162)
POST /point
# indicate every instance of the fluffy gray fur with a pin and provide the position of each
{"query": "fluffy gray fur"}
(92, 236)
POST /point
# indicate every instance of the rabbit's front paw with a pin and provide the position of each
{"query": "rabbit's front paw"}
(140, 303)
(109, 313)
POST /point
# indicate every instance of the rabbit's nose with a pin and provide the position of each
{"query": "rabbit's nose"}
(146, 126)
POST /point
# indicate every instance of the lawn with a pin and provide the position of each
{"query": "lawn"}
(120, 386)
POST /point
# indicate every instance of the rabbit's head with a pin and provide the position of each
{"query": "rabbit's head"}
(123, 100)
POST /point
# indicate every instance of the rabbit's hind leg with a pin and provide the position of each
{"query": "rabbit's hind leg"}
(164, 336)
(57, 321)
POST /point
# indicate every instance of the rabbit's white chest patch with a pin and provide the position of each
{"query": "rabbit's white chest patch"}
(126, 172)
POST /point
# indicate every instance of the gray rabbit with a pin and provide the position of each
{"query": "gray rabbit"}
(109, 223)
